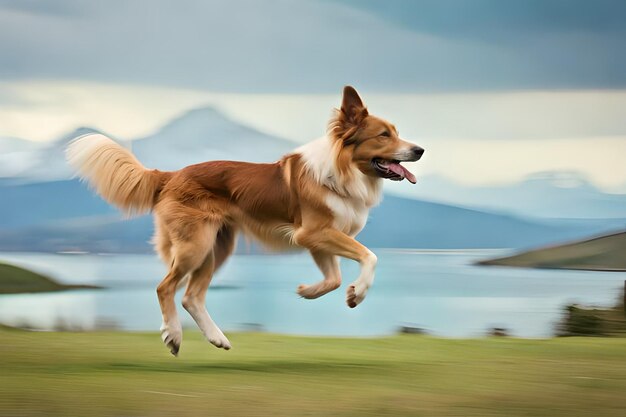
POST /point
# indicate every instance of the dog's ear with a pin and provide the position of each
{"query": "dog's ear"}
(352, 106)
(347, 121)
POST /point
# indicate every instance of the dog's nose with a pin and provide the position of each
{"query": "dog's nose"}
(417, 151)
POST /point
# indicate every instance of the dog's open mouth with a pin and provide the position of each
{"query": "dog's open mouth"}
(392, 170)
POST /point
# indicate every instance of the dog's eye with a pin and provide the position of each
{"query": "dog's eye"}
(385, 134)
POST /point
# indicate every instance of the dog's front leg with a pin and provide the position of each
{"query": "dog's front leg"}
(329, 265)
(333, 242)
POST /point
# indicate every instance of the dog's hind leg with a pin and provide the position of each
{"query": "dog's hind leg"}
(329, 265)
(187, 255)
(194, 298)
(224, 245)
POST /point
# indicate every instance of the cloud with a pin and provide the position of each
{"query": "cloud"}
(473, 138)
(36, 7)
(130, 111)
(500, 21)
(44, 111)
(476, 162)
(312, 46)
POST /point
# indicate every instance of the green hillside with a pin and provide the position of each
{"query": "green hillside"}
(15, 280)
(604, 253)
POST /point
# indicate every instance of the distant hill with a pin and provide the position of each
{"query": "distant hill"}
(405, 223)
(98, 234)
(42, 210)
(206, 134)
(66, 215)
(41, 162)
(557, 194)
(11, 144)
(28, 205)
(198, 135)
(15, 280)
(49, 163)
(603, 253)
(15, 154)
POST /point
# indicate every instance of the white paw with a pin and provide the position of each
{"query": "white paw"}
(356, 293)
(172, 336)
(217, 338)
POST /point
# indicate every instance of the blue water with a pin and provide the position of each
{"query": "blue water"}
(440, 291)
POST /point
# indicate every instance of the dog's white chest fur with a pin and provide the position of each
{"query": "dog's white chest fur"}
(349, 215)
(349, 201)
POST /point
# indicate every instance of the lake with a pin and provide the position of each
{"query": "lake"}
(439, 291)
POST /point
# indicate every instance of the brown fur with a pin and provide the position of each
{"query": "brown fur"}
(200, 209)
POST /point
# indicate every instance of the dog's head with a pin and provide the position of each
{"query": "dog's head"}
(370, 143)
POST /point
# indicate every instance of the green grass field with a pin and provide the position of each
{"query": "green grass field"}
(132, 374)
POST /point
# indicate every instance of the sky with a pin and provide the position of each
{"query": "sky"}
(496, 90)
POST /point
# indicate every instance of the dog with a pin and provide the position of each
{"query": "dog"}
(315, 198)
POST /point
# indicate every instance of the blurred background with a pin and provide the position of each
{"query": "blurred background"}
(516, 226)
(520, 106)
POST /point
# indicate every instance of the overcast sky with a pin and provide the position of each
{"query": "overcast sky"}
(446, 71)
(315, 45)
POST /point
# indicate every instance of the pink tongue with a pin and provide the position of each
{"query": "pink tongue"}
(402, 171)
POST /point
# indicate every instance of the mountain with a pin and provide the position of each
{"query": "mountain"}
(44, 162)
(15, 154)
(11, 144)
(206, 134)
(408, 223)
(98, 234)
(65, 215)
(546, 194)
(601, 253)
(199, 135)
(50, 161)
(47, 212)
(28, 205)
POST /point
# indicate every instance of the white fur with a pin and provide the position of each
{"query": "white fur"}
(366, 278)
(350, 214)
(351, 200)
(211, 332)
(113, 172)
(318, 157)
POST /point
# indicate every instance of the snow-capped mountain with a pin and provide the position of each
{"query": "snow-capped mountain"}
(48, 163)
(206, 134)
(10, 145)
(199, 135)
(52, 213)
(15, 155)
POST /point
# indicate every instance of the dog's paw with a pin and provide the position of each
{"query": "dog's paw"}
(355, 294)
(307, 291)
(218, 339)
(172, 336)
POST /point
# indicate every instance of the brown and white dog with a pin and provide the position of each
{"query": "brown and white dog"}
(316, 198)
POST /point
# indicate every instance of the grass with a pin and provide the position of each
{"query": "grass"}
(14, 279)
(126, 374)
(603, 253)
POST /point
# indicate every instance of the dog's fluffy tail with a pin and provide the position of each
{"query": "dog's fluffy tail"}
(115, 173)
